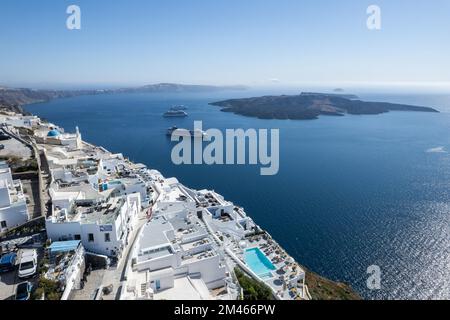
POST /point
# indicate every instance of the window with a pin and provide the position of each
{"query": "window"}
(77, 237)
(91, 237)
(107, 237)
(3, 224)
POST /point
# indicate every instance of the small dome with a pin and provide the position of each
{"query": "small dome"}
(53, 133)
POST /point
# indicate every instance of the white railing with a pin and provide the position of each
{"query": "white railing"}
(73, 272)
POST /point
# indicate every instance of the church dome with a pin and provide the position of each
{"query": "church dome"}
(53, 133)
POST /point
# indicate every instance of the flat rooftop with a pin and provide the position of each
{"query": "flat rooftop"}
(102, 213)
(86, 189)
(199, 256)
(182, 290)
(153, 234)
(174, 195)
(208, 199)
(191, 245)
(105, 213)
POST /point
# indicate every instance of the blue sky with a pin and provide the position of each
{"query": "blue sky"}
(251, 42)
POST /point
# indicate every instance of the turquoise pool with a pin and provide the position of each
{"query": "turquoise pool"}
(259, 263)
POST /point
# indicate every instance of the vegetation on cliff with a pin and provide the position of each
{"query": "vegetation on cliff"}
(321, 288)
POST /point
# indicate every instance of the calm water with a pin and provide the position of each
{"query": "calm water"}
(352, 191)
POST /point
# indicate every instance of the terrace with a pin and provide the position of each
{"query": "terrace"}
(207, 199)
(152, 237)
(66, 264)
(193, 245)
(104, 213)
(101, 213)
(287, 277)
(204, 255)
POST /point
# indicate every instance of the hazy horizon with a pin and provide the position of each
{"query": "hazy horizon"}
(398, 88)
(272, 44)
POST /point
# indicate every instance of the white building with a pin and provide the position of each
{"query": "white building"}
(222, 215)
(111, 163)
(96, 197)
(20, 121)
(174, 259)
(67, 265)
(13, 204)
(55, 137)
(172, 197)
(128, 183)
(103, 226)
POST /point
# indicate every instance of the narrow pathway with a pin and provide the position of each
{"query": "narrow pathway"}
(115, 276)
(93, 282)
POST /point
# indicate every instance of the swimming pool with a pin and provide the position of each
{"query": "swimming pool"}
(259, 263)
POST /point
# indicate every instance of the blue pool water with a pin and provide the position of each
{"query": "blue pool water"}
(258, 262)
(352, 191)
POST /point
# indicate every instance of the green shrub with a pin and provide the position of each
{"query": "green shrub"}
(253, 290)
(49, 287)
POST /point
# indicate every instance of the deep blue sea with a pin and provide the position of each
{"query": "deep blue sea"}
(351, 192)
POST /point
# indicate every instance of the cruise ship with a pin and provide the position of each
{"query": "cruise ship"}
(175, 113)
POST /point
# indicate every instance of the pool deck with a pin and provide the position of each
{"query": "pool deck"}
(259, 263)
(287, 280)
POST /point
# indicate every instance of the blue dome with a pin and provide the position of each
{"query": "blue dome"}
(53, 133)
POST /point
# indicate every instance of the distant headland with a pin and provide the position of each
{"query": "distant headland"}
(12, 99)
(310, 105)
